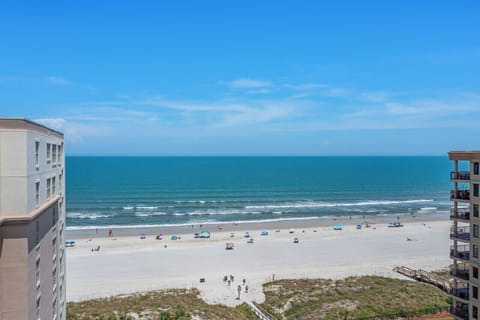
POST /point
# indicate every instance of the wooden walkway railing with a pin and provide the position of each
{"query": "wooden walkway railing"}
(259, 313)
(443, 283)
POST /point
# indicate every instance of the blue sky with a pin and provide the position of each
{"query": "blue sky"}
(246, 77)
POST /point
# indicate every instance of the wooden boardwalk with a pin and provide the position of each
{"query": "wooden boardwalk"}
(443, 283)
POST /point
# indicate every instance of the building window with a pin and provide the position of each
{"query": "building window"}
(54, 216)
(475, 168)
(54, 153)
(48, 152)
(475, 210)
(37, 272)
(49, 184)
(475, 230)
(475, 312)
(53, 185)
(475, 189)
(60, 153)
(37, 194)
(475, 292)
(37, 232)
(37, 148)
(37, 308)
(60, 183)
(54, 275)
(475, 251)
(475, 272)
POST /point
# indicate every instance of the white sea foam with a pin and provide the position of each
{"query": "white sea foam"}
(150, 214)
(188, 224)
(79, 215)
(147, 208)
(128, 208)
(428, 209)
(318, 204)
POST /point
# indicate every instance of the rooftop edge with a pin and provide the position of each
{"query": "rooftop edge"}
(27, 124)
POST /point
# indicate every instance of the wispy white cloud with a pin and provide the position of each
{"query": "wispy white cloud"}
(76, 132)
(58, 80)
(247, 83)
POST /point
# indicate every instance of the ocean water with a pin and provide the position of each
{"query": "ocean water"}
(130, 191)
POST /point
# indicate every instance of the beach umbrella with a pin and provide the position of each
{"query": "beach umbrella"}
(264, 233)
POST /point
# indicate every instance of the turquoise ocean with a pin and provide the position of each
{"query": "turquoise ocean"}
(139, 191)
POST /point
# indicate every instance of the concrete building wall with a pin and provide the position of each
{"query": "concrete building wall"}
(32, 261)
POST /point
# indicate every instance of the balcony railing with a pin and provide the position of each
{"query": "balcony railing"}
(461, 313)
(460, 252)
(460, 214)
(460, 195)
(461, 293)
(460, 271)
(460, 175)
(460, 233)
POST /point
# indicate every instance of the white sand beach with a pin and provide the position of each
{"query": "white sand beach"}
(127, 264)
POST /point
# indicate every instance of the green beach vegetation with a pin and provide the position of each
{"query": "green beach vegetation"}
(175, 304)
(367, 297)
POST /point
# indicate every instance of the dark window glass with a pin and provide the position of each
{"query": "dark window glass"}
(475, 230)
(475, 168)
(475, 251)
(475, 272)
(475, 210)
(475, 189)
(475, 292)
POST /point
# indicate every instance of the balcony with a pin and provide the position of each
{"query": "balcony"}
(460, 313)
(460, 175)
(460, 271)
(460, 233)
(460, 252)
(462, 195)
(460, 214)
(460, 293)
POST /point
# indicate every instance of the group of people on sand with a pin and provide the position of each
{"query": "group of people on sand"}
(229, 281)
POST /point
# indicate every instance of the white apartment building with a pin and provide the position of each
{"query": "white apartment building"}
(32, 221)
(465, 234)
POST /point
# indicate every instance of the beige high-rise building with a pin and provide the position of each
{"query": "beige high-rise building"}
(465, 234)
(32, 220)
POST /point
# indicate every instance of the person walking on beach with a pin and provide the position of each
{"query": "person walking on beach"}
(246, 289)
(110, 233)
(239, 289)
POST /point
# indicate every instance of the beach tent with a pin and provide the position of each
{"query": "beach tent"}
(232, 234)
(295, 240)
(159, 237)
(204, 234)
(338, 227)
(395, 224)
(359, 226)
(69, 243)
(142, 236)
(196, 235)
(229, 246)
(174, 237)
(264, 233)
(291, 231)
(247, 234)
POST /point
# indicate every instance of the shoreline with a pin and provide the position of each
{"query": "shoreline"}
(232, 226)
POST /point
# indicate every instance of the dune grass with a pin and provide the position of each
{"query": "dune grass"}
(365, 297)
(162, 305)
